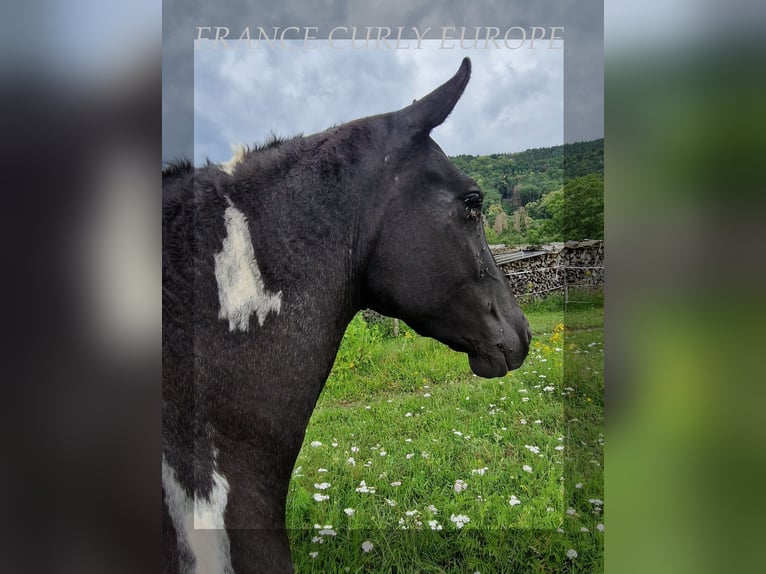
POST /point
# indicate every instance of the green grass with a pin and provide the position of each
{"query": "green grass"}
(415, 421)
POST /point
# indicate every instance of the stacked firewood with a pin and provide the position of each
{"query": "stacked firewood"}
(583, 263)
(536, 275)
(545, 269)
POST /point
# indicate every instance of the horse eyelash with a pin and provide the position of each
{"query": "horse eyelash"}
(472, 213)
(473, 205)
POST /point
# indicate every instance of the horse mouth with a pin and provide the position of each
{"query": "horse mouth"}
(496, 363)
(487, 367)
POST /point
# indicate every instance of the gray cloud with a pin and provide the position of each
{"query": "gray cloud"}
(513, 102)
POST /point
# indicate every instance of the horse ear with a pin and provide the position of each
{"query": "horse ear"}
(430, 111)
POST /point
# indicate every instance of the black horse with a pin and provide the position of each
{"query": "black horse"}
(264, 265)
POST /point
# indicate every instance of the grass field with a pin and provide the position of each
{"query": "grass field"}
(413, 464)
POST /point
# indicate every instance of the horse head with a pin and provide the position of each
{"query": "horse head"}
(427, 260)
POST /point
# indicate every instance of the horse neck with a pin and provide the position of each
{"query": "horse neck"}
(305, 225)
(304, 246)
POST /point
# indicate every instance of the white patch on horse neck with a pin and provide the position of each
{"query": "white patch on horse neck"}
(199, 525)
(239, 155)
(241, 290)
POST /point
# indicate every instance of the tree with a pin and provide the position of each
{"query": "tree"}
(520, 220)
(501, 222)
(584, 208)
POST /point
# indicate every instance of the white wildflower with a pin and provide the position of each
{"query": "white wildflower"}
(571, 553)
(460, 520)
(514, 501)
(349, 511)
(367, 546)
(364, 488)
(316, 443)
(460, 485)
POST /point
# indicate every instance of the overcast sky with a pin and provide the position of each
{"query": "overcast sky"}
(513, 102)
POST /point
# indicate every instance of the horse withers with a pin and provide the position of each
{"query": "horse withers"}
(265, 263)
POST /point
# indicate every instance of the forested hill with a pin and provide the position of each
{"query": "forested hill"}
(518, 187)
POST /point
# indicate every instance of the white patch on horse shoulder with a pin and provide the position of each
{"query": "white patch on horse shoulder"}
(203, 542)
(239, 155)
(241, 290)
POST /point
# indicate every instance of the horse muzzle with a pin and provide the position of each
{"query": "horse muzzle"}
(507, 355)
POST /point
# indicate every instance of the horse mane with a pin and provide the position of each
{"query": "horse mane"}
(177, 168)
(273, 141)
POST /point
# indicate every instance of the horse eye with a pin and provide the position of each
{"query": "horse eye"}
(472, 200)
